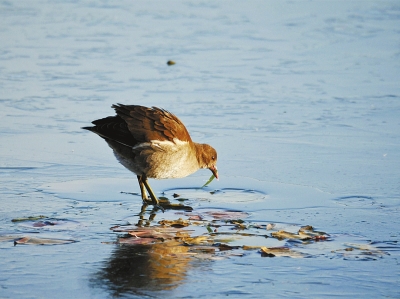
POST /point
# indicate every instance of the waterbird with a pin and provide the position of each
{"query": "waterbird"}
(153, 143)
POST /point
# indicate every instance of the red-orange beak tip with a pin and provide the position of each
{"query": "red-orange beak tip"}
(214, 170)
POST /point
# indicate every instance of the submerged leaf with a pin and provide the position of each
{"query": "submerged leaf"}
(41, 241)
(280, 235)
(50, 223)
(224, 247)
(246, 247)
(182, 199)
(185, 238)
(238, 224)
(309, 231)
(228, 215)
(155, 234)
(175, 223)
(167, 205)
(280, 251)
(43, 223)
(158, 232)
(360, 252)
(195, 217)
(30, 218)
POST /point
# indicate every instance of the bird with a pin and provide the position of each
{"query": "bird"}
(153, 143)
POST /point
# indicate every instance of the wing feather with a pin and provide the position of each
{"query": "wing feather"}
(146, 124)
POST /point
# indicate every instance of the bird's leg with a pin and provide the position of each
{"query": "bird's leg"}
(151, 193)
(142, 190)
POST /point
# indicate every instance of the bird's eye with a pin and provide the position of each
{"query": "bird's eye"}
(213, 157)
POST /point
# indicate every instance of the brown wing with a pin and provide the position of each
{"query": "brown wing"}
(146, 124)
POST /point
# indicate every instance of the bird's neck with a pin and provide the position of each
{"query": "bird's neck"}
(199, 149)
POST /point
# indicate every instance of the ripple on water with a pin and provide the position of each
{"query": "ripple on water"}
(223, 195)
(238, 192)
(356, 201)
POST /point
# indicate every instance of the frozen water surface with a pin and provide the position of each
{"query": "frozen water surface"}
(300, 98)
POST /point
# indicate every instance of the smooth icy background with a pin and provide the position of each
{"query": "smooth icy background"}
(300, 98)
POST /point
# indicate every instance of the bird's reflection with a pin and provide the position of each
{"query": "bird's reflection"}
(142, 269)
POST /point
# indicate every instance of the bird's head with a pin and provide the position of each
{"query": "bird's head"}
(207, 157)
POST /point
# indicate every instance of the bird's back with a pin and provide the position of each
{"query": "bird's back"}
(148, 141)
(136, 124)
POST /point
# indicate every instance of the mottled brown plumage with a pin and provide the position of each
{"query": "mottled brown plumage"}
(153, 143)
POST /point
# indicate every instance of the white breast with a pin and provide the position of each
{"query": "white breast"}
(167, 159)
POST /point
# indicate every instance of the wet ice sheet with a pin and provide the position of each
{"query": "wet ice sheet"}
(303, 96)
(344, 243)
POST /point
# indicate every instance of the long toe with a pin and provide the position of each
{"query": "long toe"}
(158, 206)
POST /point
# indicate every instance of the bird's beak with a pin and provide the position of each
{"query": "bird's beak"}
(214, 170)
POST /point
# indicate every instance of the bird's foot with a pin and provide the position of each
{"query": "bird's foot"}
(158, 207)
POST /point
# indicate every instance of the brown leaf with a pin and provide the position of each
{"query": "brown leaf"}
(164, 233)
(175, 223)
(227, 215)
(280, 235)
(308, 230)
(195, 217)
(280, 251)
(224, 247)
(246, 247)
